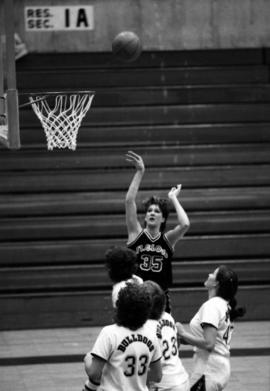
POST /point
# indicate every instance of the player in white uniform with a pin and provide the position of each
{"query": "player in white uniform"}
(174, 375)
(126, 354)
(121, 264)
(211, 330)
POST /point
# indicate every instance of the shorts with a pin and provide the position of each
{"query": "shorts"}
(215, 369)
(179, 387)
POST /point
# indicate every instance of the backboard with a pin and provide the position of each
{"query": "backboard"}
(9, 110)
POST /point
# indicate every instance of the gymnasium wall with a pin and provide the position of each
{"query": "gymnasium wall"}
(161, 25)
(200, 118)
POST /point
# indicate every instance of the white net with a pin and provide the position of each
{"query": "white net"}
(62, 122)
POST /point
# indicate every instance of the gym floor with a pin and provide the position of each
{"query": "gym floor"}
(51, 359)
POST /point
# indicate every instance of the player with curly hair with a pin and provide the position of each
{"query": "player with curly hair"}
(127, 353)
(121, 264)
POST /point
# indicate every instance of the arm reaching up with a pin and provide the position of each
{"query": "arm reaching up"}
(183, 221)
(133, 225)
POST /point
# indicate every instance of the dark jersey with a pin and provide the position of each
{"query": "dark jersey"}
(154, 258)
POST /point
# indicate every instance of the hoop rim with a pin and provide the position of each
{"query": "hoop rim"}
(46, 94)
(61, 92)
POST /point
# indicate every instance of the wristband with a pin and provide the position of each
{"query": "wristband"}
(90, 385)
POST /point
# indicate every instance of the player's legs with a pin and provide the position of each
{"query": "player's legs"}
(199, 385)
(205, 384)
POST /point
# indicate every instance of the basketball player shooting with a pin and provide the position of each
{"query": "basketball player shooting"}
(154, 247)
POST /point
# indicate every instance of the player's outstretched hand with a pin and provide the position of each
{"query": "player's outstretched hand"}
(136, 160)
(180, 329)
(180, 335)
(175, 191)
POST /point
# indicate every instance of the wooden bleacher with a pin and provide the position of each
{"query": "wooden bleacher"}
(200, 118)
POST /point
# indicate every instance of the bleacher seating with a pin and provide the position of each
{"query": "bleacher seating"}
(200, 118)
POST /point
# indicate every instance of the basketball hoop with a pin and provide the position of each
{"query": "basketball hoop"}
(61, 114)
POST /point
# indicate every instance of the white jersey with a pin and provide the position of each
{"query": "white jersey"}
(128, 355)
(173, 373)
(214, 365)
(215, 311)
(119, 285)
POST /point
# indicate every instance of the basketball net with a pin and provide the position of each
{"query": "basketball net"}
(62, 122)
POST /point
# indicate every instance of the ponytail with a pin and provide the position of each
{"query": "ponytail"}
(235, 312)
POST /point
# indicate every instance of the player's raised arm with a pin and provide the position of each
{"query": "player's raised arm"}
(132, 222)
(183, 221)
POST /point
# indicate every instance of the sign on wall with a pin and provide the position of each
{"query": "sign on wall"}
(54, 18)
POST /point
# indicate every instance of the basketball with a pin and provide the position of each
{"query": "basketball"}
(126, 46)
